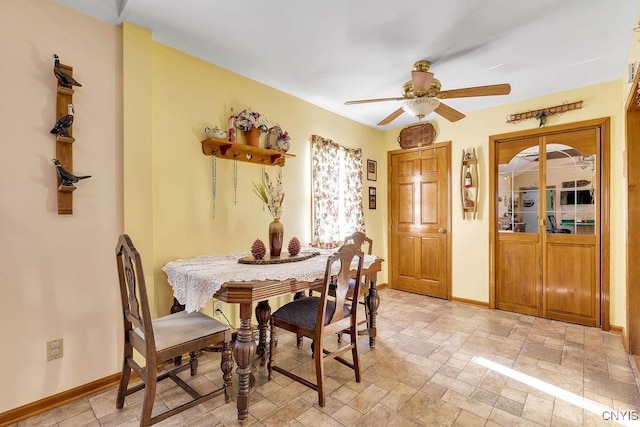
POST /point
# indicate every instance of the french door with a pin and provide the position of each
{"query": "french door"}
(548, 222)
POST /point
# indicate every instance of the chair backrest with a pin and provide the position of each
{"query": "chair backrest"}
(552, 223)
(358, 238)
(336, 278)
(133, 293)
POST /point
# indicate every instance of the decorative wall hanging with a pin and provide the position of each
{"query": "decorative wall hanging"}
(65, 115)
(469, 184)
(372, 170)
(372, 197)
(417, 135)
(542, 113)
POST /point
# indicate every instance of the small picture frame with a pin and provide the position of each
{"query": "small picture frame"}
(631, 71)
(372, 170)
(372, 197)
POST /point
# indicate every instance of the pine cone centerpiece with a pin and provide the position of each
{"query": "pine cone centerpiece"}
(294, 246)
(258, 249)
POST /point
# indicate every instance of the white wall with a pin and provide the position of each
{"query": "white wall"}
(57, 272)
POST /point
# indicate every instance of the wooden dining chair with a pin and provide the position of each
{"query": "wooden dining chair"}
(160, 340)
(318, 317)
(362, 242)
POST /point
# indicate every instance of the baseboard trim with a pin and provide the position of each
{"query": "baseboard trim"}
(471, 302)
(616, 329)
(51, 402)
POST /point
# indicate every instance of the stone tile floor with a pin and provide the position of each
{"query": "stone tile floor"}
(437, 363)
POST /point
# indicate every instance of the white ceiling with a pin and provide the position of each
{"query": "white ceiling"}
(329, 51)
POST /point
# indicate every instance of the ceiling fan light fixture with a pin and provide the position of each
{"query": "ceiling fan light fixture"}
(420, 107)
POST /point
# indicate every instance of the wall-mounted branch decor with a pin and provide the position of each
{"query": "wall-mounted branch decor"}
(542, 113)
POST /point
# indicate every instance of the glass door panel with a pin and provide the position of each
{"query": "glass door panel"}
(572, 170)
(518, 203)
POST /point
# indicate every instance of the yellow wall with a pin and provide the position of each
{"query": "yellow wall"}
(139, 121)
(188, 95)
(57, 272)
(470, 264)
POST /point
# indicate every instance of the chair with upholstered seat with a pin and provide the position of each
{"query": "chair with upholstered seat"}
(359, 239)
(161, 340)
(318, 317)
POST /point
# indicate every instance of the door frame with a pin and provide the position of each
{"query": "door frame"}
(631, 336)
(605, 141)
(447, 145)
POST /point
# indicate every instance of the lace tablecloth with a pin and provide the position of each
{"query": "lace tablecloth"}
(195, 280)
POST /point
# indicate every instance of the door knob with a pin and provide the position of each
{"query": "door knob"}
(442, 230)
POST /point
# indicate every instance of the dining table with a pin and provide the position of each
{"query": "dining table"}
(240, 279)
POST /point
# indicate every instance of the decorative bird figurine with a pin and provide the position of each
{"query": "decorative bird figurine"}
(63, 124)
(67, 178)
(542, 116)
(65, 79)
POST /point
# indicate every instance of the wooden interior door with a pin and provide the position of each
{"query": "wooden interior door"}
(548, 247)
(420, 217)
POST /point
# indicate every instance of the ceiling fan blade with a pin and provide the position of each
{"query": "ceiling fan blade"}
(449, 113)
(364, 101)
(391, 117)
(499, 89)
(421, 80)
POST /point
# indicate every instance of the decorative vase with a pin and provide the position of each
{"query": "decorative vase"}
(253, 137)
(276, 236)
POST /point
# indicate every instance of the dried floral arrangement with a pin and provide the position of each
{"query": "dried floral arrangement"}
(271, 193)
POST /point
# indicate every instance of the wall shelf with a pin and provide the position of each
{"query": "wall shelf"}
(469, 193)
(65, 139)
(65, 90)
(245, 153)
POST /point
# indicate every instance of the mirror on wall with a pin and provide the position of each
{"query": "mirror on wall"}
(568, 202)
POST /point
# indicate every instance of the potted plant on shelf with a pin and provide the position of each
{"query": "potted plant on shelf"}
(251, 123)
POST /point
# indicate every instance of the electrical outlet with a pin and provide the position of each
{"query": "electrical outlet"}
(54, 349)
(217, 305)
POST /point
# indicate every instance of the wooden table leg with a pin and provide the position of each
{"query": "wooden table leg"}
(300, 295)
(372, 301)
(244, 351)
(263, 313)
(176, 307)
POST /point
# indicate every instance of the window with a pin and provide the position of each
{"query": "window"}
(336, 192)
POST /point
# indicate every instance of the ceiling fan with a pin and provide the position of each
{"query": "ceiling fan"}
(422, 96)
